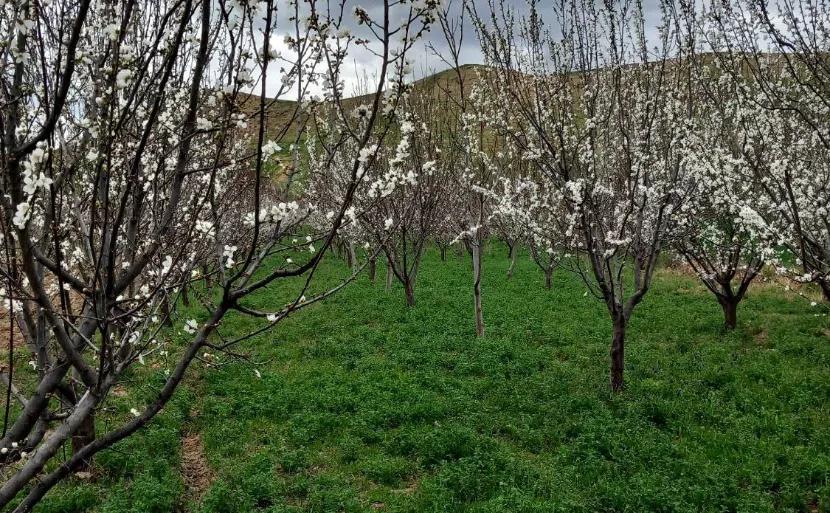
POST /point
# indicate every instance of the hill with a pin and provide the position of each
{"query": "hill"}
(280, 113)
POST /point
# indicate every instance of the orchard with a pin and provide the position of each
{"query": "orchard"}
(199, 198)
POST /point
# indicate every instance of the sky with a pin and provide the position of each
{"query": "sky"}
(361, 62)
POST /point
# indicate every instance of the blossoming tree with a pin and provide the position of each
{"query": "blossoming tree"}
(127, 161)
(720, 232)
(776, 55)
(602, 117)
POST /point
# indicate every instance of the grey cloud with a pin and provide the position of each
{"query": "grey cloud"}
(361, 61)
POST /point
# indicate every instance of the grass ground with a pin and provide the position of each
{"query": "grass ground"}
(363, 405)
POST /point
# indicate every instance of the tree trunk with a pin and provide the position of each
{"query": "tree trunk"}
(548, 275)
(730, 313)
(34, 409)
(443, 253)
(459, 252)
(825, 288)
(185, 296)
(353, 257)
(514, 253)
(208, 279)
(84, 436)
(409, 292)
(618, 355)
(36, 435)
(165, 311)
(477, 289)
(389, 275)
(373, 269)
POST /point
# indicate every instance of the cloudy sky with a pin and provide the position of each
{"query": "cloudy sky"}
(361, 61)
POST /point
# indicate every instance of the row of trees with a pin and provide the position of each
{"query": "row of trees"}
(600, 147)
(135, 164)
(137, 168)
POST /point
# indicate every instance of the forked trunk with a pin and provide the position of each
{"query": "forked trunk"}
(730, 313)
(39, 400)
(84, 436)
(618, 355)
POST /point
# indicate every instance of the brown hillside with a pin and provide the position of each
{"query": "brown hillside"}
(280, 113)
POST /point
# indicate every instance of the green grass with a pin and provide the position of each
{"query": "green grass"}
(364, 405)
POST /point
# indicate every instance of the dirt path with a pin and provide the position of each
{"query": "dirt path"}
(195, 470)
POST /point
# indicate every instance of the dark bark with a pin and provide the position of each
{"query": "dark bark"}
(618, 355)
(730, 313)
(443, 254)
(84, 408)
(185, 296)
(548, 275)
(35, 407)
(39, 401)
(84, 436)
(825, 288)
(37, 433)
(372, 269)
(409, 292)
(165, 312)
(35, 463)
